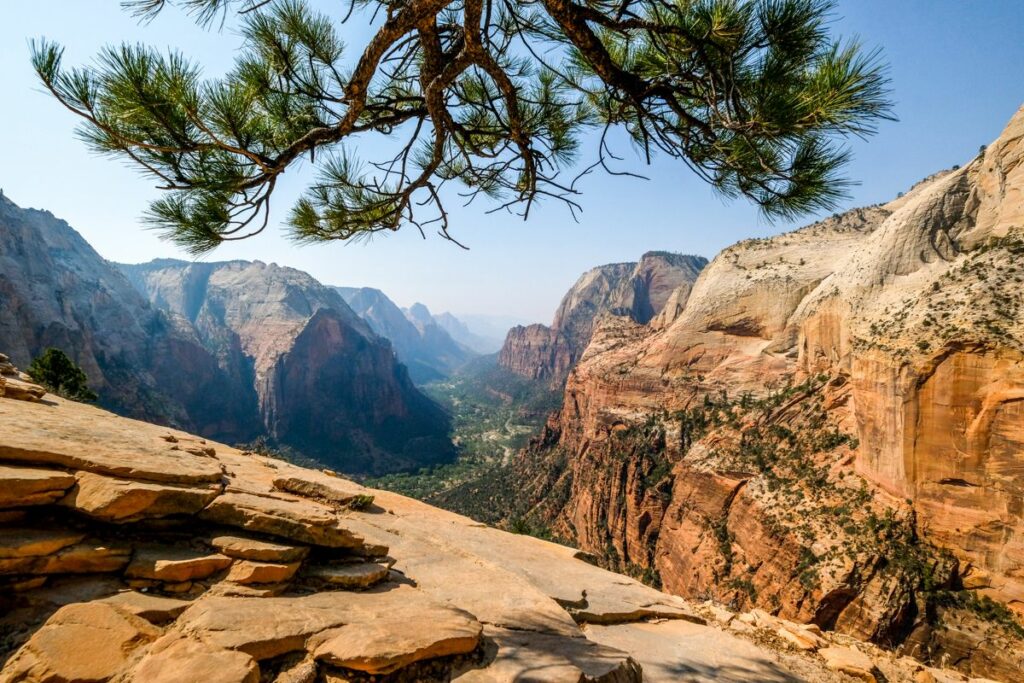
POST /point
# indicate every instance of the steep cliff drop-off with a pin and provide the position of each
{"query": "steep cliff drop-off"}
(831, 428)
(131, 552)
(639, 291)
(55, 290)
(321, 380)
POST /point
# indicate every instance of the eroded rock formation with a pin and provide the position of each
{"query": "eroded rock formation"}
(132, 552)
(829, 426)
(639, 291)
(319, 379)
(422, 344)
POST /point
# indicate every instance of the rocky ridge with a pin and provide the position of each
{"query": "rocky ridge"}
(829, 428)
(316, 375)
(132, 552)
(639, 291)
(421, 343)
(55, 290)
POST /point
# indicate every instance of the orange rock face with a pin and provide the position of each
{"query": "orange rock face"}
(902, 325)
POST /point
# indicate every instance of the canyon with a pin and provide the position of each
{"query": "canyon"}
(827, 425)
(136, 552)
(640, 290)
(237, 351)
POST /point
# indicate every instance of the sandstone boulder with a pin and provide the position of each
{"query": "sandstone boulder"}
(175, 565)
(21, 486)
(850, 662)
(349, 576)
(174, 659)
(245, 548)
(119, 500)
(80, 643)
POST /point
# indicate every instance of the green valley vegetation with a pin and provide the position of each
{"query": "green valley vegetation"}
(494, 414)
(54, 370)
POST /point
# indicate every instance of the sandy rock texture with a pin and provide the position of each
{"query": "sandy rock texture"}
(278, 578)
(828, 425)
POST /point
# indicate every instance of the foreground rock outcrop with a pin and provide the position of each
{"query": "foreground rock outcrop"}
(132, 552)
(658, 284)
(829, 428)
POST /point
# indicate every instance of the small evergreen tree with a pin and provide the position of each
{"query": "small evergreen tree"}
(60, 375)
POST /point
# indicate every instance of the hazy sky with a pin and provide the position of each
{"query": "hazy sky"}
(957, 68)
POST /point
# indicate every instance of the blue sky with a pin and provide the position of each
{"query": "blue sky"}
(957, 71)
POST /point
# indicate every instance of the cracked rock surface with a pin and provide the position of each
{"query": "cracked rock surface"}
(131, 552)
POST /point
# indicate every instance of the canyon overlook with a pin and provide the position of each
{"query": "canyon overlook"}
(133, 552)
(830, 427)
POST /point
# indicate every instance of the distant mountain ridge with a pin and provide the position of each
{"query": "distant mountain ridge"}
(55, 290)
(324, 381)
(639, 290)
(420, 342)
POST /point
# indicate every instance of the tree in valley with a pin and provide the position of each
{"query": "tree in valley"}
(61, 375)
(475, 99)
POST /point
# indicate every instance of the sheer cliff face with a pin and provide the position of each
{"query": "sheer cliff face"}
(639, 291)
(893, 338)
(426, 348)
(321, 380)
(55, 290)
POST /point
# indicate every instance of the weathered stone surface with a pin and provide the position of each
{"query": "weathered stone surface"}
(80, 643)
(173, 659)
(20, 543)
(20, 390)
(175, 565)
(257, 550)
(535, 656)
(247, 571)
(300, 520)
(118, 500)
(31, 486)
(153, 608)
(349, 576)
(396, 638)
(850, 662)
(37, 433)
(88, 557)
(321, 486)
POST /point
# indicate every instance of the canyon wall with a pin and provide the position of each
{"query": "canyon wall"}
(323, 381)
(639, 291)
(830, 426)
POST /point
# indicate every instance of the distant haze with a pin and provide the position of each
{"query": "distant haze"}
(956, 77)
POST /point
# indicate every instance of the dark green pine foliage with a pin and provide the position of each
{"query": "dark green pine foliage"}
(60, 375)
(484, 100)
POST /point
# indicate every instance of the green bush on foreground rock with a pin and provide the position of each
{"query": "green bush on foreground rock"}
(60, 375)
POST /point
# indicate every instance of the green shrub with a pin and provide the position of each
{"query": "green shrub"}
(60, 375)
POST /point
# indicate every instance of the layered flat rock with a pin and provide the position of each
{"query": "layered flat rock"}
(20, 486)
(175, 564)
(113, 499)
(383, 630)
(321, 486)
(20, 543)
(155, 609)
(80, 642)
(245, 548)
(247, 572)
(300, 520)
(88, 557)
(349, 576)
(173, 659)
(390, 640)
(38, 433)
(552, 658)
